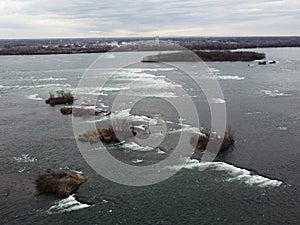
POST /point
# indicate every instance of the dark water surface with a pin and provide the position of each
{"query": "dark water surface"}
(263, 107)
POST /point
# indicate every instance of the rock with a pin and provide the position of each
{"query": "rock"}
(66, 111)
(59, 182)
(79, 111)
(106, 135)
(202, 141)
(61, 97)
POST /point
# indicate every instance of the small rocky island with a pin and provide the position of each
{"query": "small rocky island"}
(60, 97)
(58, 182)
(205, 56)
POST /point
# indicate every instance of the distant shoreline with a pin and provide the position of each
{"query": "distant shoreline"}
(85, 46)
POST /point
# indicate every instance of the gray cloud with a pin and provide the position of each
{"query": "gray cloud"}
(64, 18)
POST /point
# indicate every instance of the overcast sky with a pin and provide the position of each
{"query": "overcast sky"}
(122, 18)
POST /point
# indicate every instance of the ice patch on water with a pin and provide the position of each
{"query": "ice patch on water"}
(217, 100)
(234, 173)
(25, 158)
(275, 93)
(230, 78)
(67, 205)
(34, 97)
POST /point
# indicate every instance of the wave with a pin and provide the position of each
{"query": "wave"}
(217, 100)
(49, 79)
(234, 174)
(18, 87)
(141, 70)
(213, 69)
(136, 147)
(25, 158)
(186, 128)
(230, 78)
(67, 205)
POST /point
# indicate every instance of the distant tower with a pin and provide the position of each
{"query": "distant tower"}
(156, 40)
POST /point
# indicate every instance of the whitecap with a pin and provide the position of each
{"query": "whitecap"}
(274, 93)
(34, 97)
(49, 79)
(136, 147)
(137, 161)
(25, 158)
(160, 152)
(283, 128)
(186, 128)
(67, 205)
(217, 100)
(230, 78)
(234, 173)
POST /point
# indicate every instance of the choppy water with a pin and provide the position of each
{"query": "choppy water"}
(257, 184)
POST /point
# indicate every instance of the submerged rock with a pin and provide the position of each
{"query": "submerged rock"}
(59, 182)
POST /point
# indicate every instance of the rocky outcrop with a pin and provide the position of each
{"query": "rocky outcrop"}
(59, 182)
(80, 111)
(60, 97)
(106, 135)
(201, 143)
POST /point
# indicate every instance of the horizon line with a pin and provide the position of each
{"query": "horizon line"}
(150, 37)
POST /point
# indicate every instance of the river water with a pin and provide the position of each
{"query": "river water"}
(256, 183)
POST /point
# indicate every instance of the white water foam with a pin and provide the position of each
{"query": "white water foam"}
(141, 70)
(217, 100)
(67, 205)
(253, 113)
(137, 161)
(25, 158)
(49, 79)
(187, 128)
(39, 86)
(274, 93)
(230, 78)
(136, 147)
(160, 152)
(34, 97)
(234, 173)
(283, 128)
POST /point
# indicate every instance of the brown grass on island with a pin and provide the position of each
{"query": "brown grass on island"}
(58, 182)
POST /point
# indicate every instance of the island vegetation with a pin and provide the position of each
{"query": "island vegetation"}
(205, 56)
